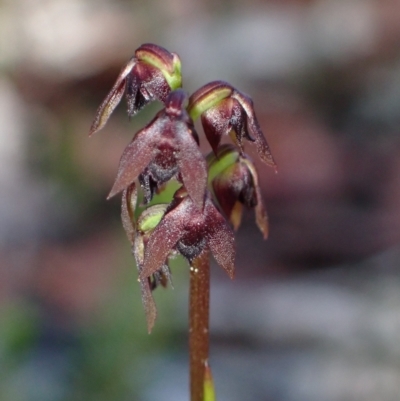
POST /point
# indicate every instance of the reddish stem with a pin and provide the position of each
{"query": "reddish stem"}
(198, 323)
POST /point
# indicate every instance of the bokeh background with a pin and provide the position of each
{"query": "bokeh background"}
(314, 312)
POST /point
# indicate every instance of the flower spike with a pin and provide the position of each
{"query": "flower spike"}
(150, 75)
(189, 205)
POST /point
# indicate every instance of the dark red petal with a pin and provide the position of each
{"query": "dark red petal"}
(112, 99)
(227, 186)
(134, 98)
(238, 123)
(192, 165)
(261, 213)
(220, 238)
(208, 90)
(164, 237)
(128, 206)
(153, 83)
(145, 287)
(137, 155)
(254, 128)
(215, 122)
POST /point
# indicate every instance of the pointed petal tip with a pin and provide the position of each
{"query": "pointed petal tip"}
(91, 131)
(150, 327)
(265, 233)
(114, 191)
(95, 127)
(151, 315)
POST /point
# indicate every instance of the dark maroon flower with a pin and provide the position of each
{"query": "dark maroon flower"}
(165, 148)
(149, 75)
(234, 181)
(189, 230)
(223, 109)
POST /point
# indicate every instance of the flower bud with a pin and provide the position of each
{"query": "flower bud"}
(208, 96)
(234, 181)
(223, 110)
(168, 63)
(150, 75)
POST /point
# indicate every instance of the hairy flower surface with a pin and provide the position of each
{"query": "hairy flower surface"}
(223, 109)
(188, 230)
(149, 75)
(234, 181)
(165, 148)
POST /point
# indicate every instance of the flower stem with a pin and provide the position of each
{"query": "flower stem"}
(198, 323)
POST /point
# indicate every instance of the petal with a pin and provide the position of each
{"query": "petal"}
(134, 98)
(128, 206)
(220, 238)
(166, 62)
(112, 99)
(238, 123)
(226, 156)
(137, 155)
(165, 236)
(236, 215)
(156, 56)
(227, 187)
(192, 165)
(208, 96)
(261, 213)
(254, 128)
(165, 276)
(149, 305)
(144, 85)
(154, 84)
(215, 122)
(145, 288)
(148, 185)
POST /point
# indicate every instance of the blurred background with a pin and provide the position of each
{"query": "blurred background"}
(314, 312)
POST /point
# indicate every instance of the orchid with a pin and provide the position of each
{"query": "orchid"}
(149, 75)
(167, 147)
(224, 109)
(189, 230)
(200, 217)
